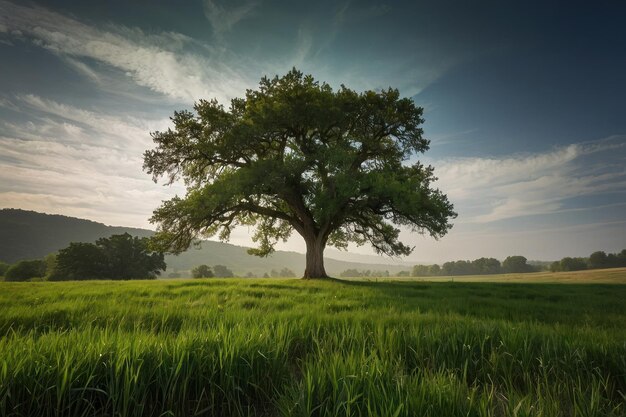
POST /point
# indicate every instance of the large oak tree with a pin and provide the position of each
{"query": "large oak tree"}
(297, 155)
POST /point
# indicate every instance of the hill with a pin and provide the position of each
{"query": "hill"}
(29, 235)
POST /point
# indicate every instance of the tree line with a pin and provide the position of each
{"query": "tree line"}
(597, 260)
(220, 271)
(480, 266)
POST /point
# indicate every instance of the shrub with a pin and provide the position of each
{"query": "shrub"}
(25, 270)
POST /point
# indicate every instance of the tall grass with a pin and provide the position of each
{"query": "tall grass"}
(294, 348)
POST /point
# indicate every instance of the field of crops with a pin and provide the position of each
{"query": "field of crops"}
(295, 348)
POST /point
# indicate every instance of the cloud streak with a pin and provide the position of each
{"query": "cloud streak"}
(76, 162)
(223, 18)
(491, 189)
(165, 62)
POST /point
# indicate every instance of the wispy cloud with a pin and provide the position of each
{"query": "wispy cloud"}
(491, 189)
(77, 162)
(224, 17)
(163, 62)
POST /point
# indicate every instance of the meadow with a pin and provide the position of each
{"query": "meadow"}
(270, 347)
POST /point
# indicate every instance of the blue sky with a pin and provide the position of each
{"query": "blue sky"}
(524, 103)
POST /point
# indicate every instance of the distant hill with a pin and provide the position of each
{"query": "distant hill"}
(30, 235)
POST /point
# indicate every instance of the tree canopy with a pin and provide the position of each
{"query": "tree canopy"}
(117, 257)
(202, 271)
(297, 155)
(25, 270)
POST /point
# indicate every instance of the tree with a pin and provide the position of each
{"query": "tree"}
(486, 266)
(434, 270)
(221, 271)
(420, 270)
(516, 264)
(3, 268)
(598, 260)
(573, 264)
(25, 270)
(555, 266)
(202, 271)
(351, 273)
(287, 273)
(117, 257)
(79, 261)
(297, 155)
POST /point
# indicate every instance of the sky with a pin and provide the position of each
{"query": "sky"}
(524, 104)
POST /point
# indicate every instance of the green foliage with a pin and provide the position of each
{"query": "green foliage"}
(597, 260)
(118, 257)
(555, 266)
(516, 264)
(221, 271)
(25, 270)
(351, 273)
(573, 264)
(296, 155)
(434, 270)
(283, 273)
(3, 268)
(486, 266)
(481, 266)
(420, 270)
(245, 347)
(202, 271)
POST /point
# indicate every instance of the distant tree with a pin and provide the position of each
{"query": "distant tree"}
(221, 271)
(516, 264)
(174, 275)
(51, 262)
(598, 260)
(350, 273)
(25, 270)
(251, 275)
(202, 271)
(296, 155)
(621, 258)
(486, 266)
(80, 261)
(573, 264)
(265, 275)
(117, 257)
(555, 266)
(447, 268)
(127, 257)
(434, 270)
(420, 271)
(3, 268)
(404, 274)
(458, 268)
(287, 273)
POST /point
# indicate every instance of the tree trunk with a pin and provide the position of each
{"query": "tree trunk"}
(314, 258)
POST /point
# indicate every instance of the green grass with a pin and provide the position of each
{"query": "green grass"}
(296, 348)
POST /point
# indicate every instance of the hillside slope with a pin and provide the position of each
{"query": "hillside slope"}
(30, 235)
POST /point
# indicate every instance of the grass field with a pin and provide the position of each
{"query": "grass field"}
(296, 348)
(593, 276)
